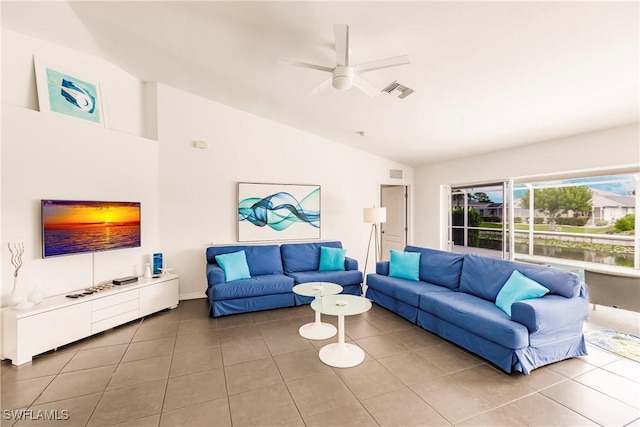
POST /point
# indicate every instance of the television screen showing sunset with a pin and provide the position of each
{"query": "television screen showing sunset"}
(84, 226)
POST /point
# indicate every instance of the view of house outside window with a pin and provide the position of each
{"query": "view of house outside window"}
(583, 219)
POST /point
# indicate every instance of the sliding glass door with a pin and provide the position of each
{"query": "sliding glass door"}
(479, 219)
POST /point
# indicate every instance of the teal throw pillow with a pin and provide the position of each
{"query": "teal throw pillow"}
(332, 259)
(234, 265)
(519, 287)
(405, 265)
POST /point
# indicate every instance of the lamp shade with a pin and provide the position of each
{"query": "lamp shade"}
(375, 215)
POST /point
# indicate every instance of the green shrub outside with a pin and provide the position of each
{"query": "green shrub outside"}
(579, 221)
(492, 219)
(626, 223)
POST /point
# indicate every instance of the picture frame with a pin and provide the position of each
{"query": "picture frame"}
(275, 212)
(68, 93)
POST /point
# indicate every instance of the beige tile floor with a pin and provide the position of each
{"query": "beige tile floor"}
(181, 368)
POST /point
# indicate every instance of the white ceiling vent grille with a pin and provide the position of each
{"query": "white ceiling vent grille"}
(397, 87)
(395, 173)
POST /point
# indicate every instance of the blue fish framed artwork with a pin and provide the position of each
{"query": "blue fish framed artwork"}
(68, 94)
(274, 212)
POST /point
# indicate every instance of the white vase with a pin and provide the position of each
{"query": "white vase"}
(35, 296)
(18, 299)
(147, 271)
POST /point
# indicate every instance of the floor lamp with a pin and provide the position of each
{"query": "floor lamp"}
(373, 216)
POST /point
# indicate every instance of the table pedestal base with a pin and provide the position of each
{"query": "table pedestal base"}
(341, 355)
(317, 331)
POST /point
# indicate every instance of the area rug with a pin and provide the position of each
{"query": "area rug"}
(624, 345)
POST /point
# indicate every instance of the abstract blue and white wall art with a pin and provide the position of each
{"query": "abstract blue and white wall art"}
(278, 212)
(67, 94)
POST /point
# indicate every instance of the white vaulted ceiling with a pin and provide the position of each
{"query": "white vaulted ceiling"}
(486, 75)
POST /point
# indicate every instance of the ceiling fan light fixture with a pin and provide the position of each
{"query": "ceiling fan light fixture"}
(345, 76)
(342, 77)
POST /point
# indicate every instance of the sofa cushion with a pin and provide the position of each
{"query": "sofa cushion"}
(439, 267)
(404, 265)
(234, 266)
(382, 267)
(477, 316)
(342, 278)
(484, 277)
(518, 288)
(407, 291)
(350, 264)
(303, 256)
(266, 284)
(332, 259)
(262, 259)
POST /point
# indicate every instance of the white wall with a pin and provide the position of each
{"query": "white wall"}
(603, 149)
(188, 196)
(122, 93)
(49, 156)
(198, 202)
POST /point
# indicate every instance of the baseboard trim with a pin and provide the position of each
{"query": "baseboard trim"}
(193, 295)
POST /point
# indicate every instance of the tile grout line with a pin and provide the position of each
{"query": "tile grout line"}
(166, 387)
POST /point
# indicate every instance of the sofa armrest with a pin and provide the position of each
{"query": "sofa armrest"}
(550, 312)
(350, 264)
(382, 267)
(214, 275)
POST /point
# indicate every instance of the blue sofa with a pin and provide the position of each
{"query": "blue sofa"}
(274, 270)
(455, 299)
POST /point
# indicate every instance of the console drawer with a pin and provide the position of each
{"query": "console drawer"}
(114, 310)
(112, 300)
(114, 321)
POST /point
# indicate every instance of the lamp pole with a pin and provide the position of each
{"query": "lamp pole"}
(373, 216)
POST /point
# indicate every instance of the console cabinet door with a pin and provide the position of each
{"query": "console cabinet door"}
(158, 296)
(46, 331)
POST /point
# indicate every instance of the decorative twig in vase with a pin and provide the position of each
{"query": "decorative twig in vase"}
(16, 257)
(17, 299)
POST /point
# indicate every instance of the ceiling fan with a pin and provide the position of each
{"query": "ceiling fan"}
(344, 75)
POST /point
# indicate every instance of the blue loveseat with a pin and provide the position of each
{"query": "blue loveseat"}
(455, 299)
(274, 270)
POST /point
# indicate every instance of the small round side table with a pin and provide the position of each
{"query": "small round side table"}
(317, 330)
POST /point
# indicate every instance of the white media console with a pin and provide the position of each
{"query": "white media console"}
(59, 320)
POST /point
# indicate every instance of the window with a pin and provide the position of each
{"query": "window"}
(581, 218)
(590, 219)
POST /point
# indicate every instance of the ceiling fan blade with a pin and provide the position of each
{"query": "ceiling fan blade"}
(365, 86)
(321, 87)
(341, 34)
(305, 65)
(382, 63)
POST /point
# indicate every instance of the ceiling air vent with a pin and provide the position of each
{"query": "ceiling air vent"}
(395, 173)
(397, 87)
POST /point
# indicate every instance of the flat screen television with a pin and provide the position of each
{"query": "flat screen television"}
(74, 227)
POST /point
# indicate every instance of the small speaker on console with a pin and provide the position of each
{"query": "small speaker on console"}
(125, 280)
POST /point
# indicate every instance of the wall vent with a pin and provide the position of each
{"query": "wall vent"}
(397, 87)
(395, 173)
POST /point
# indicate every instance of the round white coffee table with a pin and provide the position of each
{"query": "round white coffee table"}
(317, 330)
(341, 354)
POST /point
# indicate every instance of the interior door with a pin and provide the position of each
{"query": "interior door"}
(394, 230)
